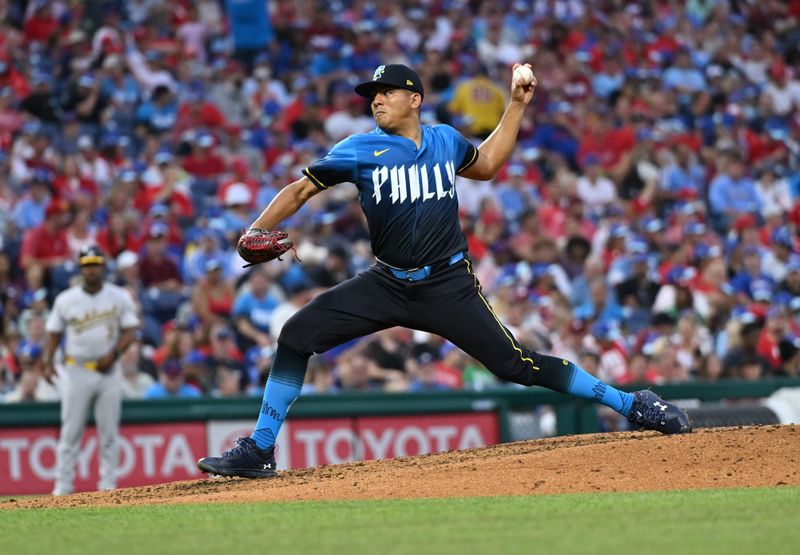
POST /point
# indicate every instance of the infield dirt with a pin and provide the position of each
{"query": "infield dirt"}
(632, 461)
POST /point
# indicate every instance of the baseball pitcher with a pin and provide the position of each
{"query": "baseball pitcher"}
(423, 278)
(97, 321)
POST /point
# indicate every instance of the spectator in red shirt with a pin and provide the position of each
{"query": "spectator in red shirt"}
(237, 147)
(45, 246)
(608, 144)
(641, 370)
(196, 113)
(212, 297)
(239, 174)
(14, 80)
(156, 268)
(117, 235)
(279, 150)
(613, 357)
(427, 373)
(41, 26)
(577, 85)
(70, 182)
(777, 326)
(204, 162)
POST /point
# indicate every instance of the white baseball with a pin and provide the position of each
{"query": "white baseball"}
(523, 73)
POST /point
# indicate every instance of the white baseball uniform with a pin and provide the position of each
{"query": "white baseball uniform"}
(91, 325)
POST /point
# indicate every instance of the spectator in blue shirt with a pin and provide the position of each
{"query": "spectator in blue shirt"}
(205, 248)
(159, 113)
(516, 194)
(252, 310)
(751, 277)
(29, 211)
(682, 77)
(600, 305)
(172, 383)
(555, 133)
(732, 193)
(683, 177)
(330, 57)
(119, 86)
(610, 79)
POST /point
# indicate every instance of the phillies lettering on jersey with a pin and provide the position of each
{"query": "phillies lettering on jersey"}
(407, 193)
(412, 183)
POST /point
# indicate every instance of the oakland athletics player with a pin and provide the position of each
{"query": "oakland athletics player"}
(423, 279)
(98, 322)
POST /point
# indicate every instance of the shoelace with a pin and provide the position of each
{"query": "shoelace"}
(243, 445)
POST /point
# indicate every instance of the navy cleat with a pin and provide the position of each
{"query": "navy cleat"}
(245, 460)
(651, 412)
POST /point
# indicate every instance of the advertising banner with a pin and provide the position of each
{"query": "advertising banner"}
(312, 442)
(157, 453)
(149, 454)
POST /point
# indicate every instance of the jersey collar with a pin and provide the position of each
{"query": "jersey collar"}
(423, 130)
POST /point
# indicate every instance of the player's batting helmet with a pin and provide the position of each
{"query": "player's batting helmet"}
(91, 254)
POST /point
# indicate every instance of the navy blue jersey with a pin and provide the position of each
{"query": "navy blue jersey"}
(407, 193)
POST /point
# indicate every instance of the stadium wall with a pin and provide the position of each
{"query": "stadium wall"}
(161, 440)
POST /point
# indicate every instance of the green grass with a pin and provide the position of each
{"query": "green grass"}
(708, 521)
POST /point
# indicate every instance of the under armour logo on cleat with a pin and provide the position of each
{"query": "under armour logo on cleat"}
(379, 152)
(662, 406)
(267, 466)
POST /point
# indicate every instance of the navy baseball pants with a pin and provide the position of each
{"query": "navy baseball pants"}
(448, 303)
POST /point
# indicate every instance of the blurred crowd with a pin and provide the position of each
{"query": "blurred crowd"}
(646, 226)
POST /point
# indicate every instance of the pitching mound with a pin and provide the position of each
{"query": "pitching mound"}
(633, 461)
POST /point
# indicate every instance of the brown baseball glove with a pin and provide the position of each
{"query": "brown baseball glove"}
(262, 245)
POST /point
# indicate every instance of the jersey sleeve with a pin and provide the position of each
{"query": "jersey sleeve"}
(128, 317)
(338, 166)
(466, 154)
(55, 320)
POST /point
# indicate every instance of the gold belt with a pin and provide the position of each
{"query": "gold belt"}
(89, 365)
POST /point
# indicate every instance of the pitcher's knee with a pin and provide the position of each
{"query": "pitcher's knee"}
(300, 333)
(523, 376)
(522, 368)
(532, 368)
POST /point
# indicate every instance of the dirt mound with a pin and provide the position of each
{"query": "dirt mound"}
(631, 461)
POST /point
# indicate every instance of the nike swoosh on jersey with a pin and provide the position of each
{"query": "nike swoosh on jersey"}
(379, 152)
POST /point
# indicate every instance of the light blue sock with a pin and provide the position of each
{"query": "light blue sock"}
(586, 386)
(283, 387)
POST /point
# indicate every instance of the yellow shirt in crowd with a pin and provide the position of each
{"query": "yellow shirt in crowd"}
(481, 102)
